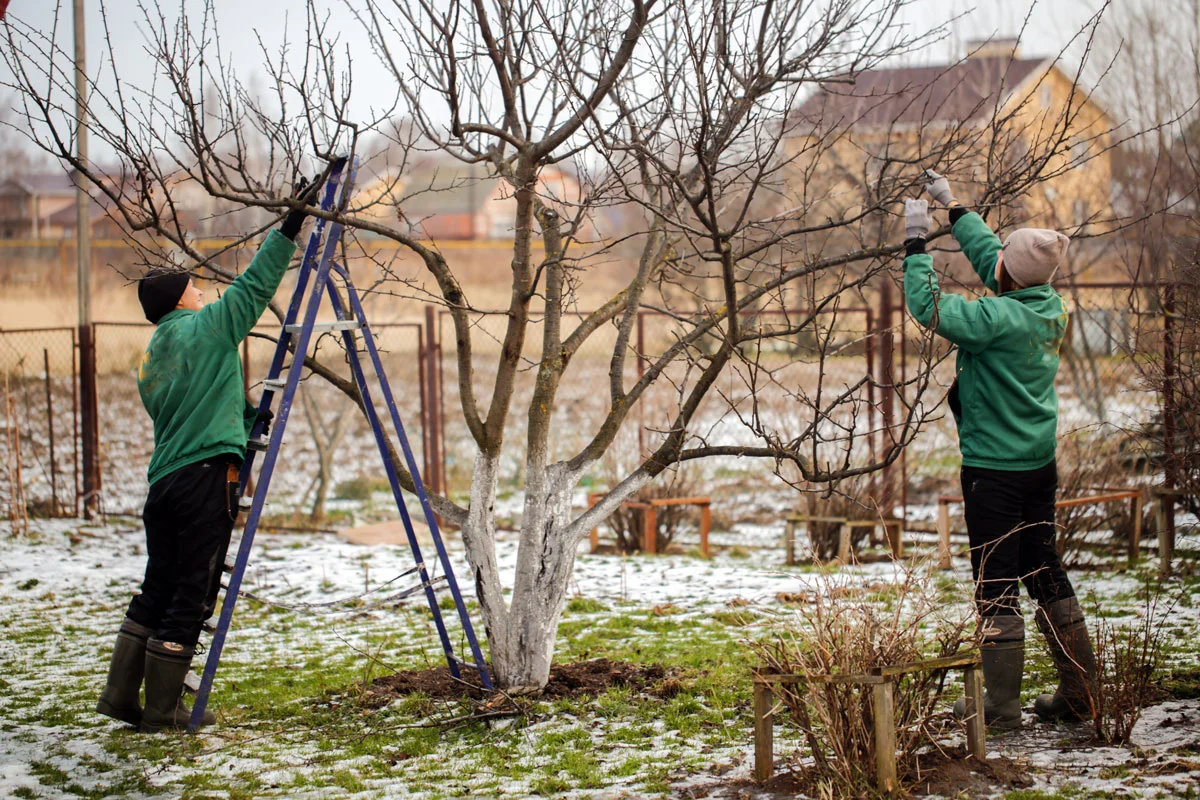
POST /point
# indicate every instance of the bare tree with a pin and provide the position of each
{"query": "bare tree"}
(1156, 85)
(674, 114)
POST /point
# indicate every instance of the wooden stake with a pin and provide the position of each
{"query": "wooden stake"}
(764, 744)
(885, 736)
(976, 729)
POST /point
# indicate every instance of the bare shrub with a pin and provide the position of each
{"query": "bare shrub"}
(1129, 657)
(1089, 463)
(850, 499)
(845, 632)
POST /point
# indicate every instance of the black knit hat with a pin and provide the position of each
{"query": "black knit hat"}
(159, 291)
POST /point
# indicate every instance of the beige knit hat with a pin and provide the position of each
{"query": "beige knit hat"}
(1032, 255)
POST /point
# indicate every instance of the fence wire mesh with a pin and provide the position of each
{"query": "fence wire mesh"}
(39, 445)
(1106, 403)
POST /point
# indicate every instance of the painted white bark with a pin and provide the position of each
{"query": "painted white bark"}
(479, 539)
(522, 635)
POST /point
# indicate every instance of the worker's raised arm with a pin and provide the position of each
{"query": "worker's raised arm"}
(979, 243)
(969, 324)
(234, 315)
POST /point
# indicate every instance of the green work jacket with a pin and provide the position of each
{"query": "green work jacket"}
(1003, 399)
(190, 378)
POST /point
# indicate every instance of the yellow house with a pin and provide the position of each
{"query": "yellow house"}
(987, 121)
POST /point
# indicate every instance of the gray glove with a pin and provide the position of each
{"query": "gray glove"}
(939, 188)
(916, 218)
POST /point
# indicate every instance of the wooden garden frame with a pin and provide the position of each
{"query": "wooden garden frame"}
(650, 519)
(1135, 497)
(893, 529)
(883, 687)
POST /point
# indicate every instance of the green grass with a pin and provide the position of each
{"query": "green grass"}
(294, 718)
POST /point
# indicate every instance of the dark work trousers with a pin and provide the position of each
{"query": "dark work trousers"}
(188, 524)
(1010, 523)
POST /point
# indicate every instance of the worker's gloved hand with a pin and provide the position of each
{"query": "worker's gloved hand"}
(306, 191)
(916, 218)
(938, 188)
(265, 418)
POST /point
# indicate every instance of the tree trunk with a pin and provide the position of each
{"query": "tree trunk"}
(521, 637)
(479, 539)
(544, 566)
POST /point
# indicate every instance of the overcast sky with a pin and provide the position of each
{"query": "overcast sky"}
(242, 23)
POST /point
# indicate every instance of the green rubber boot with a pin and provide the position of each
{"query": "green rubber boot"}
(119, 699)
(1070, 646)
(167, 664)
(1003, 657)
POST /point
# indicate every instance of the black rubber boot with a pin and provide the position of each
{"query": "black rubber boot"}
(1070, 646)
(167, 664)
(119, 699)
(1003, 657)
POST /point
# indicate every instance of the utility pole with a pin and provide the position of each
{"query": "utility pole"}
(83, 267)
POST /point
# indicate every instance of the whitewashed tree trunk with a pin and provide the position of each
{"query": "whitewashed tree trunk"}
(522, 635)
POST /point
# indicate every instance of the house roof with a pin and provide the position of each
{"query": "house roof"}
(446, 188)
(68, 216)
(45, 184)
(914, 96)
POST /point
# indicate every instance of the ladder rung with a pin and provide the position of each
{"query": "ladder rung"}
(260, 444)
(324, 327)
(274, 384)
(462, 662)
(191, 683)
(207, 627)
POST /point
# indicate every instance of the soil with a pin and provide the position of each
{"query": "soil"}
(946, 774)
(574, 679)
(951, 773)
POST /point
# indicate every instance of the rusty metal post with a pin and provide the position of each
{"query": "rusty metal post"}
(75, 417)
(900, 310)
(246, 366)
(89, 420)
(437, 458)
(887, 357)
(422, 389)
(1170, 465)
(641, 371)
(870, 355)
(50, 426)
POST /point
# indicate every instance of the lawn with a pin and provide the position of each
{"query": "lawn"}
(295, 718)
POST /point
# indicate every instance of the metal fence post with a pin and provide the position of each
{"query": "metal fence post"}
(89, 420)
(887, 357)
(641, 371)
(433, 402)
(1170, 465)
(54, 509)
(75, 440)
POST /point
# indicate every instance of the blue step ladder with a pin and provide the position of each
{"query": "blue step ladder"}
(317, 276)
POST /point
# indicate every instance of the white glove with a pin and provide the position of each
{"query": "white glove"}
(939, 188)
(916, 218)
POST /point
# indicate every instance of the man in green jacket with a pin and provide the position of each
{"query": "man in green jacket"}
(190, 381)
(1006, 409)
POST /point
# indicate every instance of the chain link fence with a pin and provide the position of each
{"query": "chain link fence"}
(1106, 403)
(39, 448)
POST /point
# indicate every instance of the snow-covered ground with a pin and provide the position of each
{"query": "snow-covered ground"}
(63, 590)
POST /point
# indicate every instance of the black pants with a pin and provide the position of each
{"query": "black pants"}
(188, 522)
(1010, 522)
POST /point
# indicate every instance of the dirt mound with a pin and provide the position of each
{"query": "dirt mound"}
(566, 680)
(947, 774)
(951, 774)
